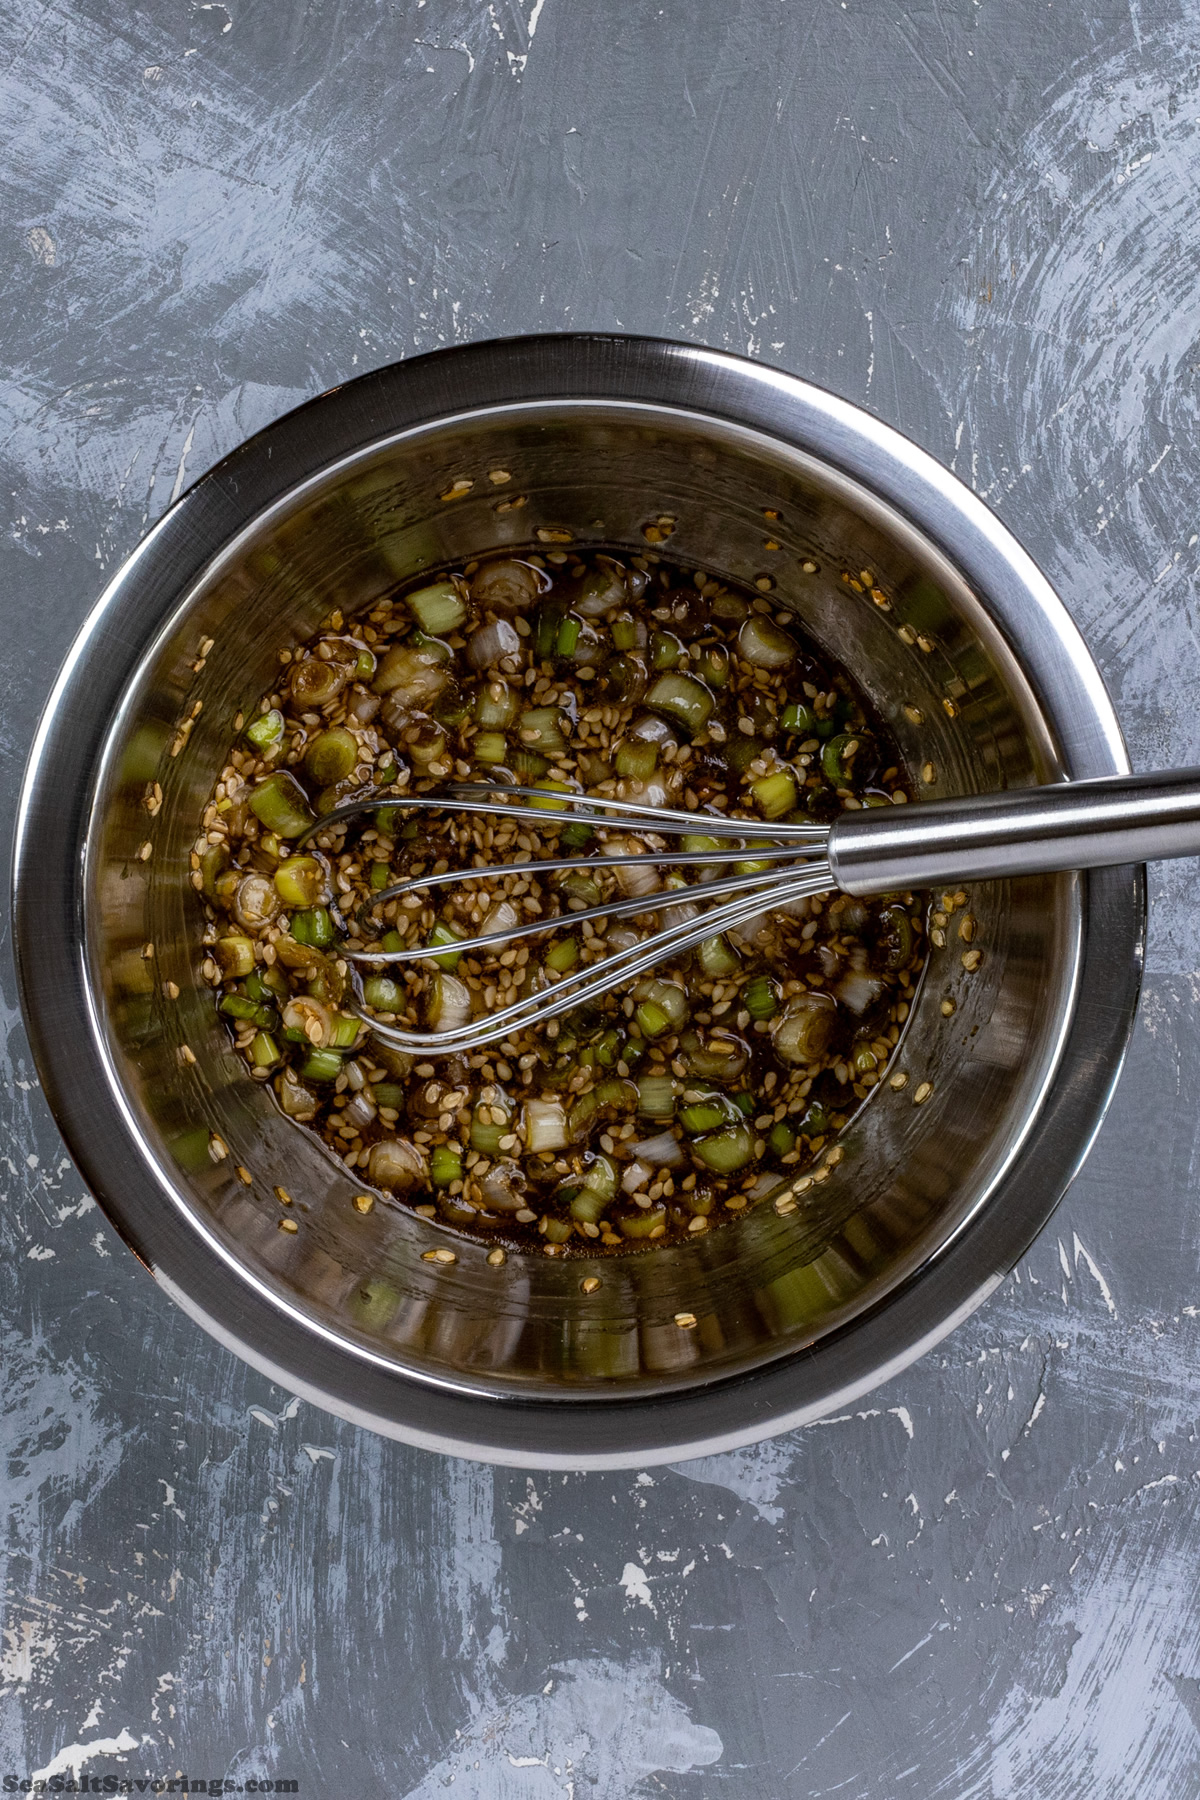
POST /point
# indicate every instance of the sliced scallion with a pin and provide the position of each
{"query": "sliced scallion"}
(726, 1151)
(656, 1096)
(445, 1166)
(760, 997)
(635, 760)
(682, 699)
(438, 609)
(266, 732)
(776, 794)
(280, 802)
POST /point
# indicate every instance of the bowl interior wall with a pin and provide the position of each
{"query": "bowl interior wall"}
(912, 1174)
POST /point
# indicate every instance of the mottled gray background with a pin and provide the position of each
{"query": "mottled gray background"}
(977, 218)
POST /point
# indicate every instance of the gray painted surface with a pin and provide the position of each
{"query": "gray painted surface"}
(978, 218)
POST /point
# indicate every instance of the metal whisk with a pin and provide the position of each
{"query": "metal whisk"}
(1075, 825)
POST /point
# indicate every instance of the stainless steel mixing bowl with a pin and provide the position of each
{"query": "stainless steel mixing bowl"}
(399, 472)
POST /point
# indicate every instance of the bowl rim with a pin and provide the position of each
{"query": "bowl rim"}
(49, 892)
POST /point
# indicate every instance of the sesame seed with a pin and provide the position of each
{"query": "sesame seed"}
(288, 1225)
(686, 1321)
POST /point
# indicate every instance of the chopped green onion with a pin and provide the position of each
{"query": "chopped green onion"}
(588, 1205)
(706, 1115)
(541, 729)
(322, 1065)
(608, 1053)
(635, 760)
(301, 881)
(568, 636)
(582, 1114)
(315, 682)
(741, 751)
(652, 1019)
(696, 842)
(680, 698)
(799, 718)
(331, 756)
(556, 1231)
(490, 747)
(815, 1122)
(721, 1059)
(580, 886)
(264, 1051)
(438, 609)
(837, 757)
(425, 743)
(576, 836)
(266, 984)
(384, 994)
(266, 732)
(776, 794)
(282, 805)
(496, 705)
(717, 957)
(713, 666)
(214, 862)
(643, 1223)
(343, 1031)
(380, 872)
(444, 933)
(895, 936)
(418, 671)
(548, 788)
(235, 956)
(665, 650)
(781, 1139)
(445, 1166)
(391, 940)
(545, 1125)
(527, 763)
(314, 928)
(760, 997)
(545, 633)
(601, 1177)
(386, 773)
(761, 642)
(726, 1151)
(486, 1133)
(625, 632)
(744, 1103)
(667, 997)
(802, 1032)
(656, 1096)
(237, 1006)
(624, 679)
(364, 668)
(389, 1094)
(751, 867)
(562, 956)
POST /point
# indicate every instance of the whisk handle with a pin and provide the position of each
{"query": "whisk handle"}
(1030, 831)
